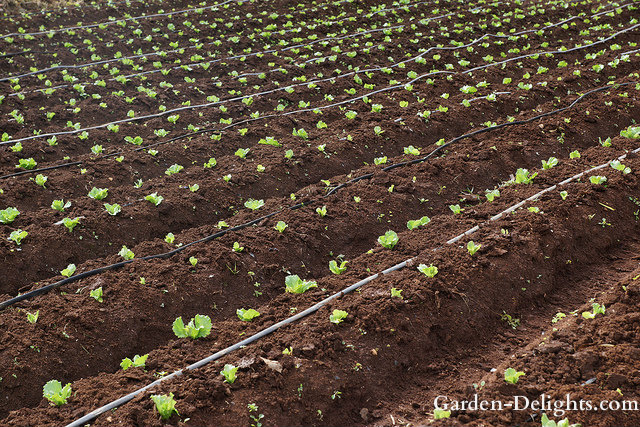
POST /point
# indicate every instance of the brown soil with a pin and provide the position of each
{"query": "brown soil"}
(388, 360)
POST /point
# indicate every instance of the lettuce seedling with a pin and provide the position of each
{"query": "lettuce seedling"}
(548, 164)
(598, 179)
(194, 187)
(211, 163)
(564, 195)
(301, 133)
(380, 160)
(60, 205)
(68, 272)
(237, 247)
(632, 132)
(269, 140)
(229, 373)
(472, 247)
(165, 405)
(396, 293)
(338, 316)
(71, 223)
(295, 285)
(17, 236)
(254, 204)
(242, 152)
(335, 269)
(55, 393)
(28, 164)
(439, 414)
(126, 253)
(524, 177)
(8, 215)
(456, 209)
(411, 150)
(96, 294)
(281, 226)
(173, 169)
(133, 140)
(113, 209)
(198, 327)
(415, 223)
(389, 240)
(574, 154)
(33, 317)
(322, 211)
(512, 376)
(596, 309)
(546, 422)
(41, 180)
(429, 271)
(620, 167)
(169, 238)
(492, 194)
(98, 193)
(247, 315)
(154, 198)
(137, 362)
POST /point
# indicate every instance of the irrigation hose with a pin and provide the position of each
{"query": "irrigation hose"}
(121, 401)
(89, 273)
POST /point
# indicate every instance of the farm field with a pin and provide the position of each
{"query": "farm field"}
(361, 206)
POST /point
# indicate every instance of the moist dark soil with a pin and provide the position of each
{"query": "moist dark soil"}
(453, 334)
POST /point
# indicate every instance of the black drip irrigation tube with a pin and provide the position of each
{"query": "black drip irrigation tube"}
(165, 255)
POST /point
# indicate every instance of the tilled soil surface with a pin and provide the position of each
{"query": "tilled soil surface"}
(411, 110)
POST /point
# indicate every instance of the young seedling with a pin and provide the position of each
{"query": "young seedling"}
(98, 193)
(415, 223)
(254, 204)
(165, 405)
(281, 226)
(564, 195)
(546, 422)
(126, 253)
(137, 362)
(97, 294)
(17, 236)
(596, 309)
(247, 315)
(55, 393)
(338, 316)
(389, 240)
(33, 317)
(335, 269)
(113, 209)
(68, 272)
(71, 223)
(632, 132)
(597, 179)
(198, 327)
(411, 150)
(396, 293)
(620, 167)
(173, 169)
(511, 375)
(456, 209)
(154, 199)
(193, 261)
(60, 205)
(429, 271)
(41, 180)
(491, 195)
(548, 164)
(229, 373)
(237, 247)
(524, 177)
(169, 238)
(322, 211)
(295, 285)
(472, 247)
(574, 154)
(269, 140)
(439, 414)
(8, 215)
(28, 164)
(242, 152)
